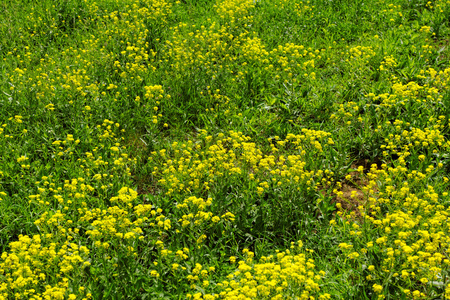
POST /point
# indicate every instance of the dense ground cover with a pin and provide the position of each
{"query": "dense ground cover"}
(233, 149)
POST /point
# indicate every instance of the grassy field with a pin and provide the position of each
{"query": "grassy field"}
(224, 149)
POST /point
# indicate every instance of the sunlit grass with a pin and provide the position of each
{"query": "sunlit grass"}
(234, 149)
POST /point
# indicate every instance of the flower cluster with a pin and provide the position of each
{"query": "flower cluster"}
(170, 149)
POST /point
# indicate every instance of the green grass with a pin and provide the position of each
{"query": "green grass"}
(233, 149)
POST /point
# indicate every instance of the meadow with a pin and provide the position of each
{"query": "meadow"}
(224, 149)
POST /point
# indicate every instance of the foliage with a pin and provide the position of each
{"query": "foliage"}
(229, 149)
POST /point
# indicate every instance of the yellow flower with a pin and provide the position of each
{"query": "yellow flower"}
(377, 288)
